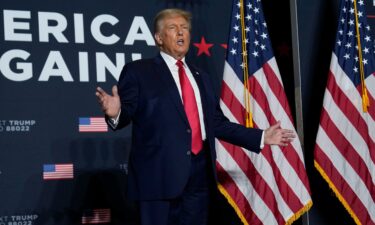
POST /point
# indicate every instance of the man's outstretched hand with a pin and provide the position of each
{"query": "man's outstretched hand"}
(275, 135)
(110, 103)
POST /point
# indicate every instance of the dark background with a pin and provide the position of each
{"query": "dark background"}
(100, 159)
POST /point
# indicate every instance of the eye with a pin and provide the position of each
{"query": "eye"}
(171, 27)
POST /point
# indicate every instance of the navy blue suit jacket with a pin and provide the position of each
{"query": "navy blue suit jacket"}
(159, 162)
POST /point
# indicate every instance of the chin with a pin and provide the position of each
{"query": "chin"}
(183, 51)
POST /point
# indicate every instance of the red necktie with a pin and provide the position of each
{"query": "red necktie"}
(191, 109)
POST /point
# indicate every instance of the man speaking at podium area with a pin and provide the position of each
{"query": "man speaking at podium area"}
(175, 118)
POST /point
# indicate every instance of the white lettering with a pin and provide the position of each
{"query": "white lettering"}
(83, 62)
(97, 34)
(57, 30)
(139, 23)
(55, 58)
(25, 68)
(10, 26)
(103, 63)
(79, 32)
(136, 56)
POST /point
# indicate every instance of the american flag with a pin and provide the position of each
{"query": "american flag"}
(96, 216)
(92, 124)
(345, 150)
(271, 187)
(57, 171)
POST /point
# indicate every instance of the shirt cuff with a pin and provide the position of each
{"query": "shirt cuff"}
(262, 141)
(114, 121)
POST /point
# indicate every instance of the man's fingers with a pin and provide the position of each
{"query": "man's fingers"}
(286, 136)
(100, 92)
(102, 96)
(289, 135)
(114, 90)
(275, 126)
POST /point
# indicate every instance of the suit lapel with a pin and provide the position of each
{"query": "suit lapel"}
(170, 85)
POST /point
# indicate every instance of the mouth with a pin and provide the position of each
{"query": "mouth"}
(180, 42)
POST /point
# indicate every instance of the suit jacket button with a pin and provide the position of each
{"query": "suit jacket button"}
(188, 130)
(188, 153)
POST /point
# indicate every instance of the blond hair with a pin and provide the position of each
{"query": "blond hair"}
(170, 13)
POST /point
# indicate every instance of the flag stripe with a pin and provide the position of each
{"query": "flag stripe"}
(352, 93)
(349, 181)
(230, 100)
(257, 204)
(276, 87)
(346, 194)
(348, 130)
(352, 134)
(350, 154)
(261, 187)
(345, 107)
(370, 81)
(366, 122)
(235, 86)
(243, 205)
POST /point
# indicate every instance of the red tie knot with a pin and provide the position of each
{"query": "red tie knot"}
(180, 64)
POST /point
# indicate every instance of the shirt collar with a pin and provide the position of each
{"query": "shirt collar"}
(171, 62)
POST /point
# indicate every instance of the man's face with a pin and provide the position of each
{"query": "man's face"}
(174, 36)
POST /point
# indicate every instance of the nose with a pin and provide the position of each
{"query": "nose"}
(179, 31)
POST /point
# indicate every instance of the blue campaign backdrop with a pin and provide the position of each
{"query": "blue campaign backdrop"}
(53, 54)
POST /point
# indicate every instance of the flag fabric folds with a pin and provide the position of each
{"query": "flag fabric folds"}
(271, 187)
(345, 150)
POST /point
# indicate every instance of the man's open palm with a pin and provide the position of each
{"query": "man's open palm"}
(110, 103)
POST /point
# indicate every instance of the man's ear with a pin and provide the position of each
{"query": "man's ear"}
(158, 39)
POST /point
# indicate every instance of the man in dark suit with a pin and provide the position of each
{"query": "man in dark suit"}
(175, 117)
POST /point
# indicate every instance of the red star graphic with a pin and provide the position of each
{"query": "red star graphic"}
(224, 46)
(203, 47)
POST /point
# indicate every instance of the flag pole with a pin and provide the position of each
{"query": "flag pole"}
(365, 99)
(297, 84)
(247, 95)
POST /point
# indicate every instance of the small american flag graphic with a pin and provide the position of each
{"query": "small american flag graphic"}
(57, 171)
(96, 216)
(92, 124)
